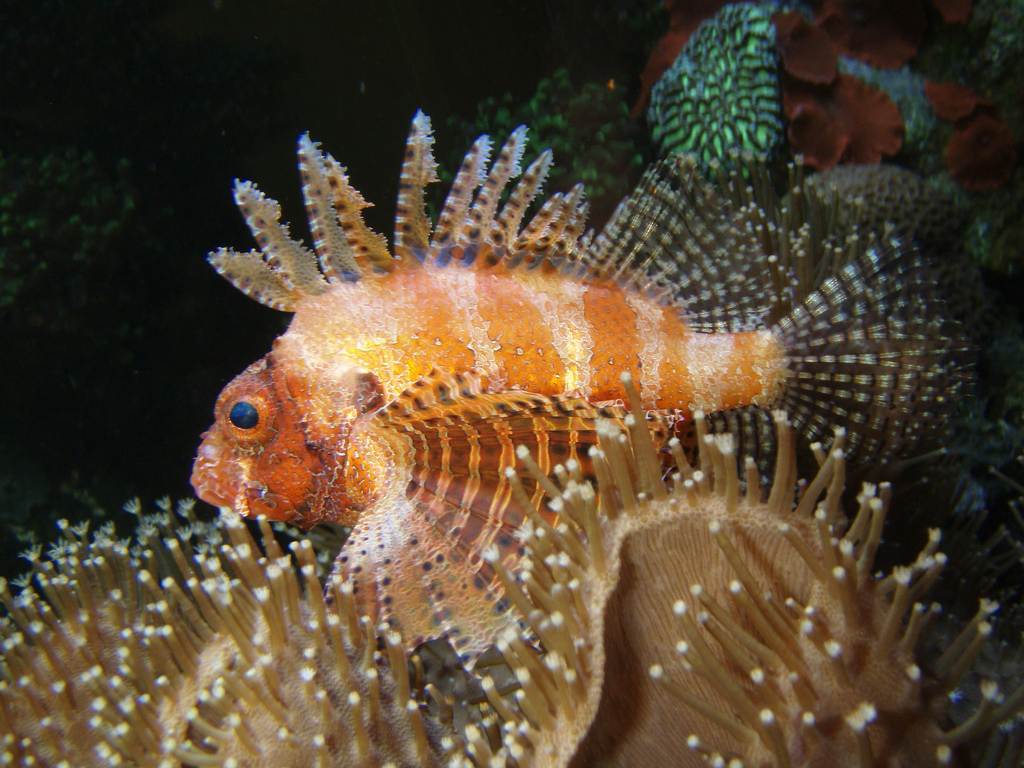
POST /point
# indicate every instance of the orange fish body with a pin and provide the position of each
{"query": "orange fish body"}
(403, 386)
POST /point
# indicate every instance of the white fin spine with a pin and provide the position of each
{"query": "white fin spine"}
(460, 196)
(506, 166)
(412, 225)
(295, 265)
(506, 228)
(332, 247)
(250, 274)
(370, 249)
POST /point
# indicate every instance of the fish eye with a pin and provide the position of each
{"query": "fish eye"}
(244, 415)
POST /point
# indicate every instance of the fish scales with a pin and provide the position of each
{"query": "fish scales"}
(535, 332)
(406, 386)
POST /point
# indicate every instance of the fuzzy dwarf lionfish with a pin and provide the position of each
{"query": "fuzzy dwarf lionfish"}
(396, 400)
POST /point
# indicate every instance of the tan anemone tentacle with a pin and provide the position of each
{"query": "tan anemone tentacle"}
(700, 624)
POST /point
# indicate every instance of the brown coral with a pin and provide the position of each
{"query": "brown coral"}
(807, 52)
(952, 101)
(982, 152)
(833, 118)
(846, 122)
(882, 33)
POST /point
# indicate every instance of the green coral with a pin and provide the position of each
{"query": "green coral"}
(587, 129)
(722, 92)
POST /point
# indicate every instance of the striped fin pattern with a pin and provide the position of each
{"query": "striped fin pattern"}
(345, 246)
(291, 272)
(869, 349)
(430, 577)
(412, 225)
(472, 230)
(505, 229)
(677, 240)
(460, 196)
(335, 255)
(284, 272)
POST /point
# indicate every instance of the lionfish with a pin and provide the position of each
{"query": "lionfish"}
(397, 399)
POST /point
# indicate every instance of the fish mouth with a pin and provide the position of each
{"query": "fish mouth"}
(216, 481)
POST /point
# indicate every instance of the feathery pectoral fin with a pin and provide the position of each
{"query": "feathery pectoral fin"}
(426, 538)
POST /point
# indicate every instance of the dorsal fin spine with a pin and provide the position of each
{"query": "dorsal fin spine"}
(295, 265)
(456, 205)
(412, 225)
(369, 248)
(333, 250)
(525, 191)
(506, 166)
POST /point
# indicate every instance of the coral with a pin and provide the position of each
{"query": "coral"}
(849, 122)
(982, 153)
(952, 101)
(882, 33)
(684, 19)
(198, 650)
(833, 117)
(953, 11)
(664, 623)
(722, 91)
(807, 53)
(923, 135)
(876, 195)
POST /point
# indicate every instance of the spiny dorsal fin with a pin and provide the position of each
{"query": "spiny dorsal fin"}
(337, 261)
(358, 243)
(289, 272)
(472, 232)
(506, 227)
(675, 238)
(250, 274)
(554, 232)
(460, 196)
(412, 225)
(371, 248)
(286, 272)
(506, 166)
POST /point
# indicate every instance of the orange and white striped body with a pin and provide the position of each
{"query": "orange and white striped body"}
(542, 333)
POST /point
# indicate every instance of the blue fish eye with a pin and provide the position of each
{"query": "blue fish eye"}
(244, 415)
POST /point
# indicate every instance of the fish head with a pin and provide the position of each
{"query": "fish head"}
(279, 444)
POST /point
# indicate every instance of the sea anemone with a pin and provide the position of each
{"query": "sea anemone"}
(664, 623)
(696, 622)
(198, 652)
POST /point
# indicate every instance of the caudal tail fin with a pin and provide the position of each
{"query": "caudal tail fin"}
(872, 349)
